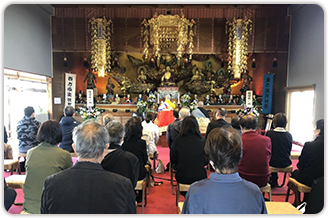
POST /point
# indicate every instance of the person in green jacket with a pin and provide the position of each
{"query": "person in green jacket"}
(42, 161)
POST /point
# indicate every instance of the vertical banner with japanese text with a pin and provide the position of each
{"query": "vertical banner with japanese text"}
(90, 102)
(267, 93)
(70, 82)
(249, 98)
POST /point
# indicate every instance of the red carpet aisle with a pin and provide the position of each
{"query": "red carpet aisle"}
(160, 198)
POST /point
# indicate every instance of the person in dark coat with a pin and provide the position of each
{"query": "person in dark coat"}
(316, 197)
(27, 130)
(5, 135)
(219, 122)
(188, 154)
(86, 188)
(281, 142)
(9, 196)
(118, 161)
(174, 123)
(173, 129)
(68, 123)
(311, 161)
(134, 144)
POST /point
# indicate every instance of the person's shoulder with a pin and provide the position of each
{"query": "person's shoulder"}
(130, 155)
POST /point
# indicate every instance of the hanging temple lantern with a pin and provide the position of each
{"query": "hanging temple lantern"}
(238, 32)
(101, 30)
(167, 32)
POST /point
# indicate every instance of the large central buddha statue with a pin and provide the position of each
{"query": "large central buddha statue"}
(167, 79)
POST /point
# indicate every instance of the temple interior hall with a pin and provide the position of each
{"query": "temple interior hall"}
(131, 60)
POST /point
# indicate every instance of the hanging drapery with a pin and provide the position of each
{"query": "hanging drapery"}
(100, 45)
(238, 31)
(165, 32)
(212, 42)
(65, 63)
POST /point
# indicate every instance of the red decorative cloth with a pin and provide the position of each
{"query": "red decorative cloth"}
(165, 118)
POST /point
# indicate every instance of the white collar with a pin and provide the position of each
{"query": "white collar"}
(279, 129)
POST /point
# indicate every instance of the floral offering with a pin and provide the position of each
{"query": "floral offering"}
(142, 106)
(89, 112)
(185, 100)
(248, 110)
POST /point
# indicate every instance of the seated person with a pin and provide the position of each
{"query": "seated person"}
(9, 196)
(151, 130)
(281, 142)
(134, 144)
(8, 151)
(27, 130)
(67, 124)
(254, 165)
(235, 124)
(86, 188)
(42, 161)
(187, 153)
(311, 162)
(225, 192)
(107, 119)
(118, 161)
(315, 201)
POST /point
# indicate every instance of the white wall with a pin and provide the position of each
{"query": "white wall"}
(27, 38)
(306, 54)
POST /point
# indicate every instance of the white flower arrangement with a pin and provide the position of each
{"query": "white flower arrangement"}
(89, 112)
(248, 110)
(185, 100)
(193, 105)
(142, 106)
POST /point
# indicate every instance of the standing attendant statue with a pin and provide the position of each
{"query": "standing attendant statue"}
(241, 100)
(91, 80)
(117, 99)
(127, 99)
(220, 100)
(207, 100)
(140, 98)
(110, 88)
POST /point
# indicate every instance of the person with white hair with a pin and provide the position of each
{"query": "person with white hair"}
(86, 188)
(200, 112)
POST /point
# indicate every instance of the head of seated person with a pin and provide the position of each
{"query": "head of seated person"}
(115, 132)
(279, 120)
(107, 119)
(248, 123)
(50, 132)
(133, 129)
(69, 111)
(224, 149)
(90, 141)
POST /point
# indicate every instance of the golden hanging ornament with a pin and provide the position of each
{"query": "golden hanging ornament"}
(101, 32)
(165, 32)
(238, 31)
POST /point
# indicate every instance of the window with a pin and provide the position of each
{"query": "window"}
(300, 113)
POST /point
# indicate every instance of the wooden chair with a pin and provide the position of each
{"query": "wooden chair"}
(16, 181)
(171, 172)
(141, 186)
(266, 189)
(285, 170)
(12, 165)
(297, 189)
(183, 188)
(180, 207)
(149, 173)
